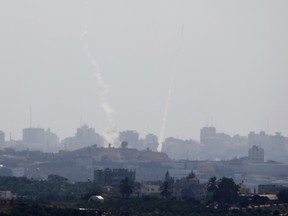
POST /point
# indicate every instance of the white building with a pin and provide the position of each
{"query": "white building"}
(7, 195)
(150, 187)
(18, 172)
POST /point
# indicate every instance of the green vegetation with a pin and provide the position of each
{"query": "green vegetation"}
(224, 190)
(56, 196)
(55, 188)
(167, 186)
(160, 206)
(151, 206)
(126, 187)
(212, 187)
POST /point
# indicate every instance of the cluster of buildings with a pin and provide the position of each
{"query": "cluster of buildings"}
(83, 137)
(222, 146)
(188, 186)
(254, 159)
(213, 145)
(39, 139)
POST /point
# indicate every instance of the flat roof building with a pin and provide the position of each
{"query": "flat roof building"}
(256, 154)
(2, 138)
(112, 177)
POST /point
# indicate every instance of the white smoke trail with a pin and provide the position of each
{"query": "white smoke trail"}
(168, 99)
(165, 114)
(110, 134)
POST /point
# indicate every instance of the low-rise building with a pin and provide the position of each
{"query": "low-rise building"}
(256, 154)
(6, 195)
(112, 177)
(18, 171)
(269, 189)
(2, 138)
(150, 187)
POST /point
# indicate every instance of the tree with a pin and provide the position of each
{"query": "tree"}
(191, 175)
(89, 189)
(167, 186)
(126, 187)
(166, 189)
(224, 190)
(56, 178)
(167, 176)
(188, 193)
(227, 191)
(212, 186)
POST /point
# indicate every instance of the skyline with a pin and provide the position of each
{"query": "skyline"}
(141, 136)
(230, 66)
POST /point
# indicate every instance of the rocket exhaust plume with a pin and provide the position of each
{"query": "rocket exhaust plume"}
(168, 99)
(110, 135)
(165, 114)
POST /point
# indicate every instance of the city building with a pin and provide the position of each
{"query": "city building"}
(181, 149)
(269, 189)
(33, 135)
(112, 177)
(130, 136)
(151, 142)
(221, 146)
(2, 138)
(273, 145)
(84, 137)
(206, 134)
(256, 154)
(40, 140)
(7, 195)
(18, 172)
(150, 187)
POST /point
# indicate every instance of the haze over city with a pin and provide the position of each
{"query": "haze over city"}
(143, 107)
(228, 62)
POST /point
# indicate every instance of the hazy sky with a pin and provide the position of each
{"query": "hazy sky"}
(229, 58)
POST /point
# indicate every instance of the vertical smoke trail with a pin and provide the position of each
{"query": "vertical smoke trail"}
(165, 114)
(168, 99)
(110, 134)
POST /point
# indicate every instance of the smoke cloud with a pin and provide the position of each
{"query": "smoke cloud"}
(110, 135)
(165, 114)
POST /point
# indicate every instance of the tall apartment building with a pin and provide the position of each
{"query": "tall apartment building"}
(206, 134)
(209, 136)
(84, 137)
(2, 138)
(256, 154)
(130, 136)
(151, 142)
(39, 139)
(273, 145)
(34, 135)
